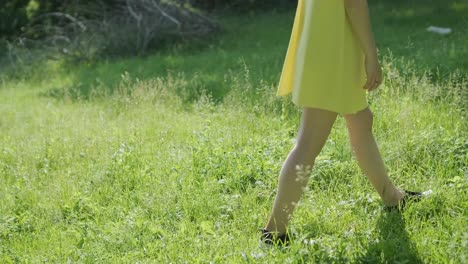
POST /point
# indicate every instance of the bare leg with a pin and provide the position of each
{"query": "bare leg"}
(315, 127)
(368, 156)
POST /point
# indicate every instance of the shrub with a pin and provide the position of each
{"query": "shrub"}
(93, 29)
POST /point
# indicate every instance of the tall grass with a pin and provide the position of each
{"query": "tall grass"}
(175, 158)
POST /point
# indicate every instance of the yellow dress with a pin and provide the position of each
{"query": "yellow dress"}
(324, 64)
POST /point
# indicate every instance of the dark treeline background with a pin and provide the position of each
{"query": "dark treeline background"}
(16, 14)
(91, 30)
(32, 30)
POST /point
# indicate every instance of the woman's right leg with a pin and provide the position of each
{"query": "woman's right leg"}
(315, 127)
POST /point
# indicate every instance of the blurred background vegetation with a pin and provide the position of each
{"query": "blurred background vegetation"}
(16, 14)
(80, 30)
(87, 34)
(86, 30)
(150, 22)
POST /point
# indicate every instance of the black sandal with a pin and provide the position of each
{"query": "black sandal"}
(270, 238)
(410, 196)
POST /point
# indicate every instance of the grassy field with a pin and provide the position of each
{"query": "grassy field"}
(174, 157)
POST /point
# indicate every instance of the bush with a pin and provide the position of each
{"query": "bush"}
(12, 17)
(90, 30)
(242, 5)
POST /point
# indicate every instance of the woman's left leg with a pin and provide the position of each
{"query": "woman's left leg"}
(368, 156)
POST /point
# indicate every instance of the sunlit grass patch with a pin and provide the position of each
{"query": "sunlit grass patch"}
(182, 165)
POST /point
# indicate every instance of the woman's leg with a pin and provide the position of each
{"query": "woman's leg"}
(315, 127)
(368, 156)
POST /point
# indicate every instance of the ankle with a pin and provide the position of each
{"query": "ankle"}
(394, 198)
(275, 230)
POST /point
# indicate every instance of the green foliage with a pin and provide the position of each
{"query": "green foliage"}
(16, 14)
(178, 160)
(134, 176)
(12, 17)
(32, 8)
(243, 5)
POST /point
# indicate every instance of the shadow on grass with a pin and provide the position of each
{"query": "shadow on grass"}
(393, 244)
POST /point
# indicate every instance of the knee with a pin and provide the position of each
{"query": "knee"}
(361, 121)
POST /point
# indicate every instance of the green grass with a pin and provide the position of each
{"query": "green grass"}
(178, 160)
